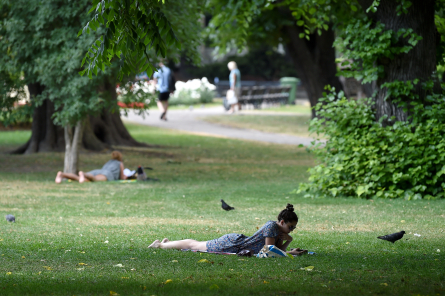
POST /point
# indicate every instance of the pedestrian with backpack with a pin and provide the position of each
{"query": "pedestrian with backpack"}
(165, 84)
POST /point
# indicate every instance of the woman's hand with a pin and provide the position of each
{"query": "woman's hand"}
(285, 237)
(297, 252)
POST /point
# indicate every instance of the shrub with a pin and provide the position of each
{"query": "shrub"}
(20, 116)
(364, 159)
(193, 92)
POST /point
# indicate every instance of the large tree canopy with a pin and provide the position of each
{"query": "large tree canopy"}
(40, 44)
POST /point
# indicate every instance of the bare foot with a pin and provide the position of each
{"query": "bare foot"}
(155, 244)
(81, 177)
(165, 240)
(59, 177)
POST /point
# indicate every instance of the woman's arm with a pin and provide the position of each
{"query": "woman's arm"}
(284, 237)
(270, 241)
(122, 176)
(232, 86)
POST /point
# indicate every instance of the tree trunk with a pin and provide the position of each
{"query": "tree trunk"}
(314, 61)
(419, 62)
(45, 135)
(73, 135)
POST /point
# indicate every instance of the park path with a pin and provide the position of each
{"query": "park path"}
(189, 120)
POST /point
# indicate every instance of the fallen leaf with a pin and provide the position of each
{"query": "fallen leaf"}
(347, 243)
(47, 267)
(384, 284)
(290, 256)
(174, 260)
(168, 281)
(23, 257)
(265, 282)
(203, 261)
(82, 263)
(82, 268)
(403, 221)
(125, 277)
(113, 293)
(214, 287)
(108, 203)
(257, 218)
(307, 268)
(118, 265)
(8, 273)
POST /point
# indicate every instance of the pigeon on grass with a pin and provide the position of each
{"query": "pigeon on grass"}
(392, 237)
(10, 218)
(226, 206)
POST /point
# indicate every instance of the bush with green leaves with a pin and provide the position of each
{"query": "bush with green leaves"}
(363, 158)
(19, 116)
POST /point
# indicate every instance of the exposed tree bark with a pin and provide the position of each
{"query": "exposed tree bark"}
(419, 62)
(314, 60)
(73, 136)
(100, 132)
(45, 135)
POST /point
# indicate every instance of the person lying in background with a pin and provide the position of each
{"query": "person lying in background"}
(112, 170)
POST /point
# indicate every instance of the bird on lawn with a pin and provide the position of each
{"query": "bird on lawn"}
(392, 237)
(10, 218)
(141, 174)
(226, 206)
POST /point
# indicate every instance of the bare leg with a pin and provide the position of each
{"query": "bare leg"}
(232, 108)
(181, 244)
(160, 106)
(96, 178)
(61, 175)
(165, 108)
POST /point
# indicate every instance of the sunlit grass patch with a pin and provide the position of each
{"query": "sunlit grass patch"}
(296, 125)
(90, 239)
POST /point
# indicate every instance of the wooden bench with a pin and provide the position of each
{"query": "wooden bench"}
(257, 95)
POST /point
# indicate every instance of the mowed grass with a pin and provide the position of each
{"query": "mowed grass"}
(91, 239)
(292, 124)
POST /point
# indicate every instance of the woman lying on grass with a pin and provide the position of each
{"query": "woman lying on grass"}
(112, 170)
(272, 233)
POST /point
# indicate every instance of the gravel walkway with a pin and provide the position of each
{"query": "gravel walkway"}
(189, 121)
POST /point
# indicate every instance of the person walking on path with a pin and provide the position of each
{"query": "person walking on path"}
(112, 170)
(272, 233)
(235, 84)
(162, 79)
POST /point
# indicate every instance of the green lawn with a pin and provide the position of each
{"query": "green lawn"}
(90, 239)
(296, 125)
(297, 109)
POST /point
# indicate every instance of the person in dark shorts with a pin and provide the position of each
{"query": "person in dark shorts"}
(112, 170)
(272, 233)
(161, 79)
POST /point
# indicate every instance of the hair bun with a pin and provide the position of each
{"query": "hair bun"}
(290, 207)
